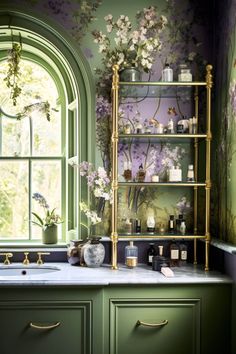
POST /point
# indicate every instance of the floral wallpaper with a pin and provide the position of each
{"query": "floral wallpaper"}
(224, 129)
(145, 34)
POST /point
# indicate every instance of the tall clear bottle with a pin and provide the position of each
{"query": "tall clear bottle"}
(131, 255)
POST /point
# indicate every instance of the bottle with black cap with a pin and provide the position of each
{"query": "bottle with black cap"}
(151, 252)
(159, 260)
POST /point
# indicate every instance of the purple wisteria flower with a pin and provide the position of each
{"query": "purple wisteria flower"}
(41, 200)
(103, 107)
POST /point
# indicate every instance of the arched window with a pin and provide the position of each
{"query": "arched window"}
(33, 150)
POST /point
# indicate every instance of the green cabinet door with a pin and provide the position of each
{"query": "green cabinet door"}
(155, 326)
(45, 328)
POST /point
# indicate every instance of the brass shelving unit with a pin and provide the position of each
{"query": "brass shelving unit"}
(116, 85)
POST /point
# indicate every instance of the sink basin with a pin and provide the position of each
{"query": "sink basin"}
(12, 271)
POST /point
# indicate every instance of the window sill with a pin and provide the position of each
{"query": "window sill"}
(32, 247)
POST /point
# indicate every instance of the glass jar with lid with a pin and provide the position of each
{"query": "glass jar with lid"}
(184, 73)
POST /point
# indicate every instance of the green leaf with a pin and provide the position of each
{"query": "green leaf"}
(36, 223)
(38, 217)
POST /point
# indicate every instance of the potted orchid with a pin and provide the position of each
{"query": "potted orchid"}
(128, 46)
(48, 222)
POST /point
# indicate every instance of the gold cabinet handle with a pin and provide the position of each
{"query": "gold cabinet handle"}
(37, 326)
(154, 325)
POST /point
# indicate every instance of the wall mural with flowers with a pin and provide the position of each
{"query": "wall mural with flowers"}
(224, 146)
(144, 34)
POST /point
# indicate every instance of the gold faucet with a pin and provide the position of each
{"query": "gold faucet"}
(26, 259)
(7, 255)
(40, 254)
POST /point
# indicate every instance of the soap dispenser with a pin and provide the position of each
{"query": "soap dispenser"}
(131, 255)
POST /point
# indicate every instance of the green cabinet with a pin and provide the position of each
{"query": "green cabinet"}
(50, 322)
(116, 319)
(168, 320)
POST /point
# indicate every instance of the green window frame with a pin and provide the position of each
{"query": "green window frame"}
(52, 48)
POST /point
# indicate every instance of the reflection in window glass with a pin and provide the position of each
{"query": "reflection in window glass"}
(14, 205)
(16, 136)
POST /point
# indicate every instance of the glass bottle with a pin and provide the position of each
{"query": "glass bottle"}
(151, 224)
(151, 252)
(131, 255)
(184, 73)
(182, 228)
(128, 226)
(140, 176)
(170, 126)
(159, 260)
(174, 254)
(172, 224)
(190, 174)
(178, 222)
(167, 73)
(127, 174)
(183, 254)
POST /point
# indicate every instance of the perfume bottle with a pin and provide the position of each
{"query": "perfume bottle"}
(128, 226)
(127, 129)
(151, 252)
(140, 176)
(184, 73)
(167, 73)
(178, 222)
(137, 226)
(183, 254)
(131, 255)
(161, 229)
(190, 174)
(170, 126)
(139, 128)
(182, 228)
(127, 174)
(159, 260)
(171, 225)
(151, 224)
(174, 254)
(175, 174)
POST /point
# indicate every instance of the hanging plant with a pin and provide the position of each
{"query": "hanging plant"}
(13, 73)
(43, 107)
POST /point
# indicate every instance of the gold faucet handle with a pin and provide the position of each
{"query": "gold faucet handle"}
(40, 254)
(26, 259)
(7, 255)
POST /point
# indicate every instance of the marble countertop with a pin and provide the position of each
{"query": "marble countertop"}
(67, 275)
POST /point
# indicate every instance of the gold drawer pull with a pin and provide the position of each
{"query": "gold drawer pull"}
(32, 325)
(162, 323)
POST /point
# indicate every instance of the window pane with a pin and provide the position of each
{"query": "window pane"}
(47, 135)
(15, 137)
(14, 206)
(46, 177)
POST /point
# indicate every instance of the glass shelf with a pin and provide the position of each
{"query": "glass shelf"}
(163, 184)
(159, 236)
(155, 138)
(158, 89)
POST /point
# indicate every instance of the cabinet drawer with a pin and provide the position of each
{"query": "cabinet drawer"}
(29, 324)
(178, 333)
